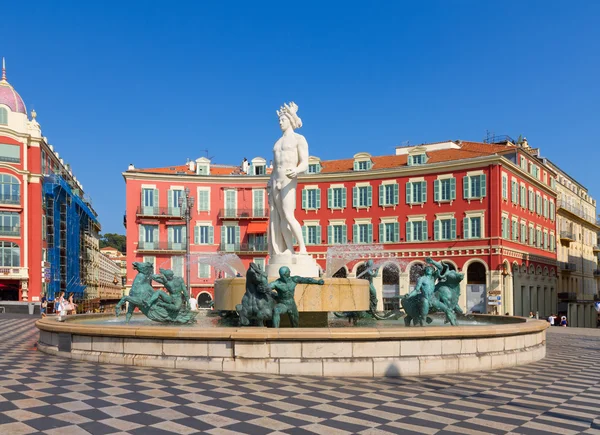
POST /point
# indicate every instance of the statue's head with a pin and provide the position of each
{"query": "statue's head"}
(167, 273)
(143, 267)
(429, 271)
(370, 264)
(288, 117)
(284, 272)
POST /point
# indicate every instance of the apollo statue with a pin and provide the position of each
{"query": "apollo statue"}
(290, 158)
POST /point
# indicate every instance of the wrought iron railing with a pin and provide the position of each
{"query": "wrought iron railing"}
(567, 267)
(6, 198)
(577, 211)
(243, 247)
(159, 211)
(161, 246)
(567, 235)
(243, 213)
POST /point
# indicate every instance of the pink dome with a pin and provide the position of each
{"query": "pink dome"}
(11, 98)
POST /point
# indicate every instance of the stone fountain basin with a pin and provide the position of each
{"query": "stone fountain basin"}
(377, 351)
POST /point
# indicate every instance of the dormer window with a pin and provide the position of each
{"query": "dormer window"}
(314, 165)
(362, 162)
(417, 156)
(258, 166)
(3, 116)
(202, 166)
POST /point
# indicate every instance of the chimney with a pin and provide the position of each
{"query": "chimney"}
(192, 165)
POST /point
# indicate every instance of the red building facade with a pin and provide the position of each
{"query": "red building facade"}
(459, 202)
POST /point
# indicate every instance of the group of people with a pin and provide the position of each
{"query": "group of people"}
(553, 319)
(62, 306)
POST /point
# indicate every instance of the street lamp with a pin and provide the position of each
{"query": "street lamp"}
(186, 203)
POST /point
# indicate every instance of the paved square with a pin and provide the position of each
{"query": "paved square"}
(44, 394)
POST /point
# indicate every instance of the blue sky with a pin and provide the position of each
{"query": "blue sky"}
(154, 83)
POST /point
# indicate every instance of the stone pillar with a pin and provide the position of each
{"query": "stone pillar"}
(494, 288)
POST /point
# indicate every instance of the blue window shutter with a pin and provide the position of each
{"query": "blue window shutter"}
(436, 190)
(453, 188)
(466, 233)
(355, 197)
(409, 192)
(370, 233)
(396, 232)
(304, 236)
(304, 199)
(436, 229)
(408, 231)
(330, 198)
(237, 235)
(355, 233)
(196, 235)
(330, 234)
(424, 233)
(483, 189)
(466, 187)
(453, 229)
(343, 197)
(211, 235)
(423, 191)
(382, 234)
(396, 193)
(369, 196)
(381, 195)
(318, 199)
(319, 235)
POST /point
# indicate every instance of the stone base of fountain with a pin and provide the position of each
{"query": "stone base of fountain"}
(313, 301)
(299, 265)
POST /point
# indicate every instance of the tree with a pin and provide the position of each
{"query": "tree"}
(117, 241)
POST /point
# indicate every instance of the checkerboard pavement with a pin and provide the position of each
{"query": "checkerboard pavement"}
(44, 394)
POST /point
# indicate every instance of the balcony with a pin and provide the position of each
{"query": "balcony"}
(168, 212)
(243, 213)
(567, 267)
(13, 272)
(6, 198)
(566, 237)
(161, 246)
(596, 249)
(14, 231)
(579, 212)
(248, 248)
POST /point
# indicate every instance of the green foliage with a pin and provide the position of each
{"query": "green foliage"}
(114, 240)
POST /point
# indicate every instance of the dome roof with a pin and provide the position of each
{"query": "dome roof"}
(9, 96)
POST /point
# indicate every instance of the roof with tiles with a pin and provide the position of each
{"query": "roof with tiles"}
(467, 150)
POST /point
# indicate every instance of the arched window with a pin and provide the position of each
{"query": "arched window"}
(10, 190)
(3, 116)
(10, 255)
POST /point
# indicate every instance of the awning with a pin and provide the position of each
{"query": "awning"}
(257, 227)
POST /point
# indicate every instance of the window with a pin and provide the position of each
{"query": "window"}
(551, 212)
(148, 237)
(362, 166)
(504, 186)
(150, 259)
(10, 224)
(258, 203)
(3, 116)
(444, 190)
(10, 254)
(523, 163)
(416, 231)
(314, 168)
(204, 235)
(203, 200)
(535, 171)
(259, 169)
(311, 234)
(523, 233)
(174, 197)
(260, 262)
(552, 242)
(523, 196)
(416, 192)
(514, 192)
(472, 227)
(149, 201)
(230, 203)
(203, 270)
(531, 236)
(417, 159)
(362, 197)
(177, 265)
(230, 237)
(505, 228)
(336, 197)
(545, 207)
(10, 153)
(515, 230)
(444, 229)
(388, 194)
(363, 233)
(336, 234)
(474, 186)
(538, 203)
(389, 232)
(311, 198)
(538, 238)
(10, 190)
(531, 200)
(545, 240)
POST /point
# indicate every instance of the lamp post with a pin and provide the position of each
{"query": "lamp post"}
(186, 203)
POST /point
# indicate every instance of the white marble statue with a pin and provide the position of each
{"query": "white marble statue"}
(290, 158)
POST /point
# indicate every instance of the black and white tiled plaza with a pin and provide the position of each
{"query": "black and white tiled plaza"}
(44, 394)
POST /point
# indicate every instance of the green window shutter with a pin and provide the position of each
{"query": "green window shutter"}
(318, 199)
(329, 234)
(369, 196)
(396, 194)
(155, 234)
(381, 233)
(424, 233)
(436, 190)
(223, 234)
(304, 236)
(156, 199)
(196, 235)
(319, 235)
(211, 235)
(184, 235)
(343, 197)
(355, 233)
(370, 233)
(466, 186)
(381, 196)
(170, 234)
(453, 229)
(304, 199)
(355, 165)
(466, 233)
(344, 234)
(170, 199)
(409, 192)
(237, 235)
(423, 191)
(396, 232)
(504, 187)
(410, 160)
(408, 231)
(436, 229)
(452, 188)
(355, 197)
(141, 239)
(483, 188)
(330, 198)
